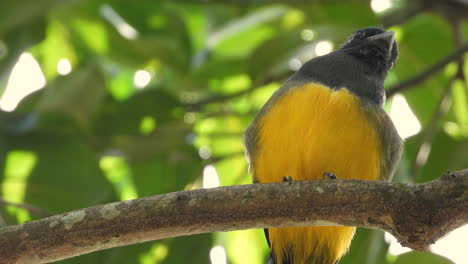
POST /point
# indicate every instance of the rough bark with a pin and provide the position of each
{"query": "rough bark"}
(417, 214)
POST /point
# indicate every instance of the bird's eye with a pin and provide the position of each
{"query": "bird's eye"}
(358, 35)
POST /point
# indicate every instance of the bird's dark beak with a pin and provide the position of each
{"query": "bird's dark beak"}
(384, 40)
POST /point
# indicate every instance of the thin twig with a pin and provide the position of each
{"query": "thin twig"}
(403, 86)
(419, 78)
(443, 106)
(220, 98)
(430, 131)
(401, 15)
(30, 208)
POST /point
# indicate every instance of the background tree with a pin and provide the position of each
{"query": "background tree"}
(149, 97)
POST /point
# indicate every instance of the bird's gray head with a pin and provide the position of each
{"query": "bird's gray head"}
(373, 46)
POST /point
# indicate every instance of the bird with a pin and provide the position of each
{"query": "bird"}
(327, 120)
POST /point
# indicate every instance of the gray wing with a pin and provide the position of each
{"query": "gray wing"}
(391, 142)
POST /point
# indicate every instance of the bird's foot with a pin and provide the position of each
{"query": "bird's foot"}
(329, 175)
(287, 179)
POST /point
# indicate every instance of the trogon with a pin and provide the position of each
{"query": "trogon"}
(326, 119)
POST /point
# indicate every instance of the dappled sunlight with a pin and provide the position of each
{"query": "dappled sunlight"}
(453, 246)
(404, 119)
(64, 66)
(119, 174)
(156, 254)
(307, 34)
(204, 152)
(323, 47)
(141, 78)
(395, 248)
(295, 64)
(125, 29)
(26, 77)
(16, 178)
(147, 98)
(210, 177)
(218, 255)
(380, 5)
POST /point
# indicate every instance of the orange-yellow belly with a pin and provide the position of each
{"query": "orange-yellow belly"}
(308, 131)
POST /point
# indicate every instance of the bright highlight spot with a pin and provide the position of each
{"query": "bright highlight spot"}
(210, 177)
(64, 66)
(147, 125)
(218, 255)
(453, 246)
(323, 47)
(156, 254)
(295, 64)
(125, 29)
(141, 78)
(380, 5)
(307, 34)
(404, 119)
(423, 154)
(395, 247)
(204, 152)
(25, 78)
(190, 118)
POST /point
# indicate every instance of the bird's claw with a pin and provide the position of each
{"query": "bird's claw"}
(329, 175)
(287, 179)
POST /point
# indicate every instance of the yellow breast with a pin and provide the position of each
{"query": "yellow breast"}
(313, 129)
(308, 131)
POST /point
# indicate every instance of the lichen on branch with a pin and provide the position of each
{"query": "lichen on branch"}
(417, 214)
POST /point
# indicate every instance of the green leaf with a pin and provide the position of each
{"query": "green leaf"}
(170, 172)
(125, 117)
(251, 243)
(56, 46)
(416, 56)
(13, 43)
(446, 153)
(239, 36)
(88, 35)
(460, 105)
(15, 14)
(196, 249)
(263, 64)
(367, 247)
(119, 255)
(341, 14)
(66, 169)
(426, 258)
(77, 94)
(167, 40)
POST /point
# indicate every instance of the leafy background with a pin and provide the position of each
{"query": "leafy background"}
(94, 135)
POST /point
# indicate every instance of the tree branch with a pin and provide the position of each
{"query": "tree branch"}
(221, 98)
(419, 78)
(417, 214)
(401, 15)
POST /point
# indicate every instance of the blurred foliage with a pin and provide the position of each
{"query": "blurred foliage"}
(93, 136)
